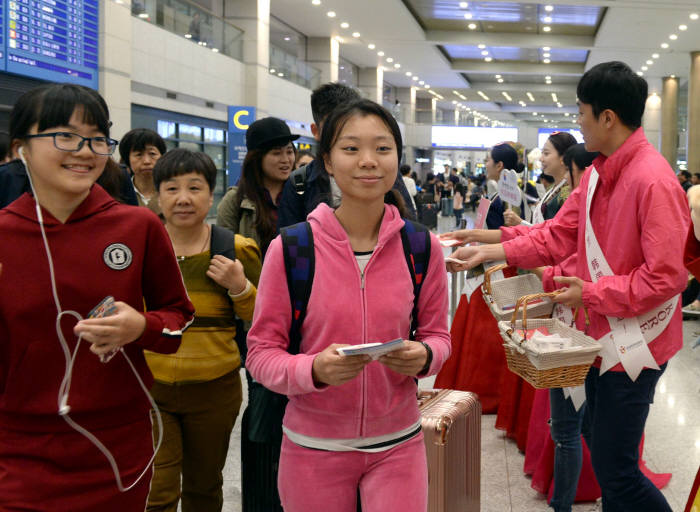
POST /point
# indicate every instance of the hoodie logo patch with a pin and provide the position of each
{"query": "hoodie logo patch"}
(117, 256)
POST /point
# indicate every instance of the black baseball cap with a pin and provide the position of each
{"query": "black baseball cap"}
(268, 132)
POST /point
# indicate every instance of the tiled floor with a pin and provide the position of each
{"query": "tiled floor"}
(672, 443)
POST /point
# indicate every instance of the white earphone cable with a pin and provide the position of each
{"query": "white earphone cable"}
(64, 388)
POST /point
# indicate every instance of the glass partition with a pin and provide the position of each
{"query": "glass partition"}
(290, 67)
(192, 22)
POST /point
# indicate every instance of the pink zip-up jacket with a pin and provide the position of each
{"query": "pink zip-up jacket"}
(347, 307)
(640, 217)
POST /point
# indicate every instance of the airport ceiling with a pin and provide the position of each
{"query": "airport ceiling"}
(507, 59)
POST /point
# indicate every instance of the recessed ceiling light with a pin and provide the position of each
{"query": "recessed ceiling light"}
(566, 114)
(546, 48)
(345, 24)
(389, 60)
(485, 52)
(471, 26)
(498, 76)
(650, 62)
(371, 46)
(355, 34)
(331, 14)
(547, 28)
(673, 76)
(506, 96)
(639, 73)
(546, 61)
(464, 5)
(547, 19)
(694, 16)
(654, 55)
(421, 82)
(415, 78)
(397, 65)
(427, 86)
(408, 73)
(272, 70)
(454, 102)
(481, 46)
(488, 59)
(500, 80)
(546, 55)
(664, 45)
(287, 38)
(280, 74)
(644, 68)
(468, 15)
(380, 53)
(549, 8)
(316, 2)
(682, 27)
(673, 37)
(529, 95)
(548, 77)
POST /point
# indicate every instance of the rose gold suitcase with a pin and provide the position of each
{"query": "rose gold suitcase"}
(452, 429)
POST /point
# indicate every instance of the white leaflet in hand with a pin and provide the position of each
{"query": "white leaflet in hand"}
(374, 350)
(508, 189)
(450, 243)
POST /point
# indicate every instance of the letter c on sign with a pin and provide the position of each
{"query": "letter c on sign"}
(236, 118)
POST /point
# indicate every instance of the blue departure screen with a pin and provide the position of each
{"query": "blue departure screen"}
(2, 37)
(52, 40)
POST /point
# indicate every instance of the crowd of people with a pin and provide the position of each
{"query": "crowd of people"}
(122, 346)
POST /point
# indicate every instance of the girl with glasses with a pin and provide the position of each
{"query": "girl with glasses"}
(75, 422)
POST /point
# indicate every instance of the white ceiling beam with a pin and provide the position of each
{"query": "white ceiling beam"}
(510, 87)
(679, 5)
(467, 38)
(522, 68)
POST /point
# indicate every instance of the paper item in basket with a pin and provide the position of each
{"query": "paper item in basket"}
(511, 307)
(552, 343)
(531, 332)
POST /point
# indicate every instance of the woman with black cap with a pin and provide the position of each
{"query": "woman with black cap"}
(250, 209)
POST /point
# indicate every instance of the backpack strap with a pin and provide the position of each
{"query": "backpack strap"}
(298, 178)
(223, 242)
(299, 264)
(416, 248)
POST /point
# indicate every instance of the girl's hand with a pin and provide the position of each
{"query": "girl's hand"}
(110, 333)
(571, 296)
(408, 360)
(510, 218)
(463, 236)
(227, 273)
(331, 368)
(470, 256)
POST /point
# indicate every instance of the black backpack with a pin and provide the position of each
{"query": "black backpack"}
(266, 408)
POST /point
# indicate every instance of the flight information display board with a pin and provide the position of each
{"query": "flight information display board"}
(54, 40)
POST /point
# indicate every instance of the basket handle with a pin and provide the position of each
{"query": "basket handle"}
(523, 301)
(487, 276)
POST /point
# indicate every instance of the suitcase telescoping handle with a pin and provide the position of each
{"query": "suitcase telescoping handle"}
(487, 277)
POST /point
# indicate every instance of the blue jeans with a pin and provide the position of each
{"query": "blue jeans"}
(616, 412)
(566, 433)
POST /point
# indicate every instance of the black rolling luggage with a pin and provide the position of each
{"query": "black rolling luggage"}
(428, 215)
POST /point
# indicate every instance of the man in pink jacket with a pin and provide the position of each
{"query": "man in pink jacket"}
(627, 223)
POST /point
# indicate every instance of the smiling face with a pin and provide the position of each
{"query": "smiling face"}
(63, 175)
(364, 159)
(185, 200)
(552, 162)
(278, 164)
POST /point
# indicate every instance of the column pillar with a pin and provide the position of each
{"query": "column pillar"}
(372, 83)
(651, 121)
(323, 53)
(253, 16)
(694, 114)
(115, 64)
(669, 120)
(433, 108)
(456, 116)
(407, 98)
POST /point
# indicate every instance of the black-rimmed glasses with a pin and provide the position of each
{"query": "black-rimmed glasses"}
(67, 141)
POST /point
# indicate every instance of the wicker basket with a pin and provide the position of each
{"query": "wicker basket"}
(505, 292)
(562, 368)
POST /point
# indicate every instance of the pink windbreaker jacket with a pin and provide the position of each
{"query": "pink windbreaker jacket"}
(345, 308)
(640, 216)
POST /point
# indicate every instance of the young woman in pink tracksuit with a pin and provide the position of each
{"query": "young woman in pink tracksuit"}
(352, 422)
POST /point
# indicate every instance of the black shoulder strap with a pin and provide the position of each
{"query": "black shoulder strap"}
(416, 248)
(298, 178)
(223, 242)
(299, 264)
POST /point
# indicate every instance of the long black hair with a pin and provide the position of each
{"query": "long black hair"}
(333, 126)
